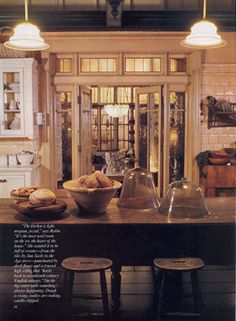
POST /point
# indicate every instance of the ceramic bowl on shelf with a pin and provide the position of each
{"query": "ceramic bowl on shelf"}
(25, 158)
(92, 200)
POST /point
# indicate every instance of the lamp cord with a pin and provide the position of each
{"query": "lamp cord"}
(204, 9)
(26, 10)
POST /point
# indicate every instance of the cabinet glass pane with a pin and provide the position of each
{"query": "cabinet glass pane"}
(177, 134)
(12, 101)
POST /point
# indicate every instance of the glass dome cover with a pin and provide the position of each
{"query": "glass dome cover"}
(183, 200)
(138, 190)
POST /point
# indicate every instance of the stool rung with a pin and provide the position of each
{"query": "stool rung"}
(86, 297)
(183, 314)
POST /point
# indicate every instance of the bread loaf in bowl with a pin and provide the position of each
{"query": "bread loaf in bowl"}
(102, 179)
(42, 196)
(95, 180)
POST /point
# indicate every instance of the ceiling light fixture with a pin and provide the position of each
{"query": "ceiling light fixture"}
(117, 109)
(203, 34)
(26, 36)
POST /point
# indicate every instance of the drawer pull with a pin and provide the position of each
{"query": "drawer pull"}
(3, 180)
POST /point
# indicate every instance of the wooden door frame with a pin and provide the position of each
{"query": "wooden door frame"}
(166, 80)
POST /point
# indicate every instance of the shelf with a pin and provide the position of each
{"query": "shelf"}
(221, 113)
(12, 111)
(10, 91)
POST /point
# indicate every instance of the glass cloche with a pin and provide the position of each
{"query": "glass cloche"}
(184, 200)
(138, 190)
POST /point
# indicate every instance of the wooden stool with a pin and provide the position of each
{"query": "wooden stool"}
(177, 265)
(74, 265)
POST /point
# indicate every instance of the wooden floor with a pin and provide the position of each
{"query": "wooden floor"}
(218, 287)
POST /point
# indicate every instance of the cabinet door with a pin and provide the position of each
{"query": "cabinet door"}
(9, 182)
(12, 103)
(18, 97)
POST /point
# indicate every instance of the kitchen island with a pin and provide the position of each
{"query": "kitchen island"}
(131, 237)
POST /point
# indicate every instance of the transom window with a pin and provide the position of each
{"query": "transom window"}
(64, 65)
(142, 64)
(94, 65)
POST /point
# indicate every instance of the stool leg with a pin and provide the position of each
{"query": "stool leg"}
(67, 293)
(161, 296)
(104, 295)
(156, 292)
(115, 290)
(158, 295)
(197, 294)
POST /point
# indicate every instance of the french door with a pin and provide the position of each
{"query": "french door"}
(149, 132)
(72, 133)
(83, 164)
(160, 140)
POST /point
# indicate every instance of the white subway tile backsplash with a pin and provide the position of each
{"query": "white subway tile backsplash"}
(225, 139)
(213, 139)
(218, 81)
(205, 139)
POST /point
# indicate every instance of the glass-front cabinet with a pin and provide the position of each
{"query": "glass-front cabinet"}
(18, 96)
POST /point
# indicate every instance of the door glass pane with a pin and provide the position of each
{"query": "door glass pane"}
(63, 137)
(177, 134)
(148, 132)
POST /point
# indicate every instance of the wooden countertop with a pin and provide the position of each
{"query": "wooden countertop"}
(222, 212)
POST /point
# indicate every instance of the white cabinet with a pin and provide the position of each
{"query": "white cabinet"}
(15, 177)
(18, 97)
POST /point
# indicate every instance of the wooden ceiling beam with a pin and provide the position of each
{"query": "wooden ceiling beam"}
(131, 20)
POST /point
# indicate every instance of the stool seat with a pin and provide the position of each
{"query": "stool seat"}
(179, 264)
(176, 265)
(86, 264)
(81, 264)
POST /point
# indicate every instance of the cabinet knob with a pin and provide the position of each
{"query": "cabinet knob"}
(3, 180)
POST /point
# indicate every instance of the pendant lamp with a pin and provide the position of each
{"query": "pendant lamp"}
(203, 34)
(26, 36)
(116, 109)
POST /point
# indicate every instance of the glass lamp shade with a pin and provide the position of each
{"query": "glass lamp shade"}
(203, 35)
(116, 110)
(138, 190)
(183, 200)
(26, 37)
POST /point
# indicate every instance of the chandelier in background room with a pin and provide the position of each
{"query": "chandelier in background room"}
(117, 109)
(26, 36)
(203, 34)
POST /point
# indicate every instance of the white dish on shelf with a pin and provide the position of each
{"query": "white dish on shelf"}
(25, 158)
(14, 86)
(3, 160)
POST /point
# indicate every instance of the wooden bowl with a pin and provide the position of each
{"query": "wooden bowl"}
(219, 160)
(92, 200)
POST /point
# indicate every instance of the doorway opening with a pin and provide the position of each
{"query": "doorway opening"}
(152, 132)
